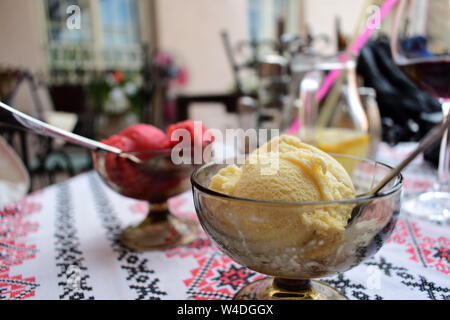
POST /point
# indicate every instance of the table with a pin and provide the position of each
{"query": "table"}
(61, 243)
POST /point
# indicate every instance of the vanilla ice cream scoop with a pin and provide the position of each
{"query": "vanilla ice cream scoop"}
(285, 169)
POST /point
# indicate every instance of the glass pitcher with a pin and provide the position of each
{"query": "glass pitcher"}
(345, 120)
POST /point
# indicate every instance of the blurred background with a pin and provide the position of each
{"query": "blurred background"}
(96, 66)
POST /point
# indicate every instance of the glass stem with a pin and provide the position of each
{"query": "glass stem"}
(158, 212)
(292, 285)
(443, 183)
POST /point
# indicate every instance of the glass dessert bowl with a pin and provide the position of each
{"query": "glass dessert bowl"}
(155, 180)
(282, 239)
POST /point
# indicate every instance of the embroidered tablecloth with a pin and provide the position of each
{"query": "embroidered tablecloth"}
(61, 243)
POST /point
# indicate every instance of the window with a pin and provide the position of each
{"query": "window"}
(263, 16)
(120, 32)
(108, 37)
(118, 22)
(57, 18)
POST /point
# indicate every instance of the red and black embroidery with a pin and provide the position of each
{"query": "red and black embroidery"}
(14, 227)
(428, 251)
(234, 277)
(216, 276)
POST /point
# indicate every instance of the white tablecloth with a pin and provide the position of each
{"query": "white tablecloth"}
(61, 243)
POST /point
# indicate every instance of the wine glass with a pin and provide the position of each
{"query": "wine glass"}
(420, 44)
(276, 238)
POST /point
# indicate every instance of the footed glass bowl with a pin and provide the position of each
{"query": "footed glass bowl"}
(284, 241)
(155, 180)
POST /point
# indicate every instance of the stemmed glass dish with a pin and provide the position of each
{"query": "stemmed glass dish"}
(155, 180)
(420, 45)
(275, 238)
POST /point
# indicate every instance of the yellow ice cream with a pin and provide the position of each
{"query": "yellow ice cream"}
(285, 169)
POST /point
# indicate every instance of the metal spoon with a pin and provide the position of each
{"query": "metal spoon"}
(430, 138)
(15, 117)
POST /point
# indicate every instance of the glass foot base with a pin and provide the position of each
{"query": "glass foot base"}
(432, 205)
(285, 289)
(160, 234)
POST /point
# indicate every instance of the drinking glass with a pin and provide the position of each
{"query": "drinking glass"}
(420, 44)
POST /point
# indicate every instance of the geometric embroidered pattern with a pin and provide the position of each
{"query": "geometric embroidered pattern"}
(428, 251)
(217, 276)
(139, 277)
(411, 281)
(14, 226)
(69, 257)
(346, 286)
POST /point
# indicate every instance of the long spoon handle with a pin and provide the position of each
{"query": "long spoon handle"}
(15, 117)
(430, 138)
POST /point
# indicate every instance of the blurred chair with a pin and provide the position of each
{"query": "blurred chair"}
(52, 156)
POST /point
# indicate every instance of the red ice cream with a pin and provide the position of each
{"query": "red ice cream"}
(145, 139)
(139, 138)
(199, 135)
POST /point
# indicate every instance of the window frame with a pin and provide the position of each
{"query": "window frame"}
(54, 52)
